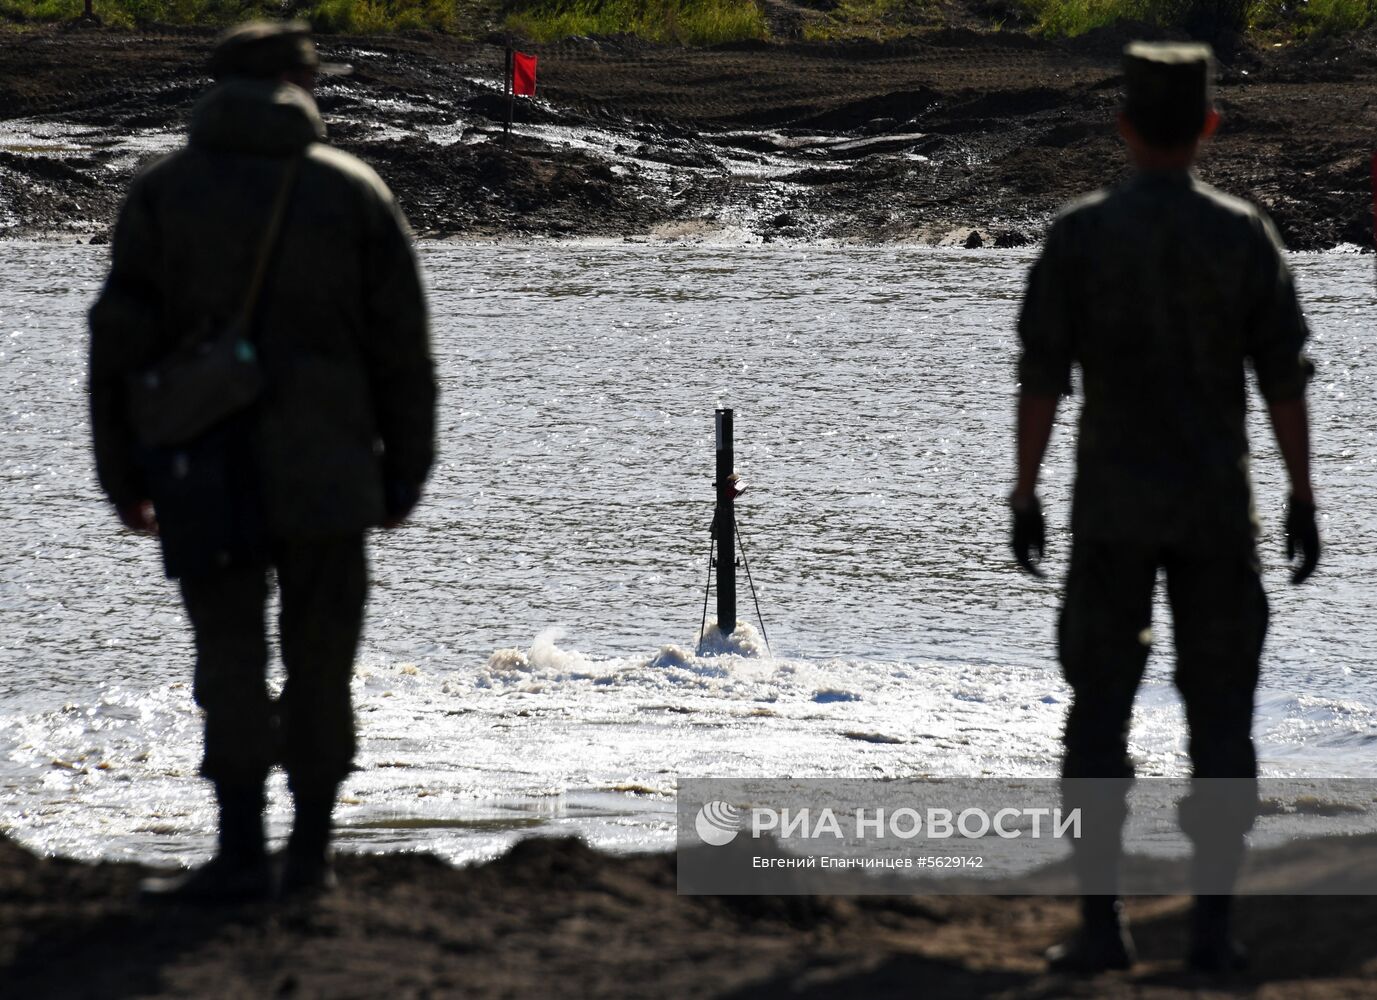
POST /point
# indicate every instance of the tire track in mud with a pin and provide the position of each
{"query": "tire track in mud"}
(932, 139)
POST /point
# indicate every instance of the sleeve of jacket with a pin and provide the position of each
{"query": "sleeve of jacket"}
(1045, 321)
(124, 320)
(401, 371)
(1276, 328)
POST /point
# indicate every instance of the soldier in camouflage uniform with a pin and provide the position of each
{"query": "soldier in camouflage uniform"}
(1162, 290)
(340, 439)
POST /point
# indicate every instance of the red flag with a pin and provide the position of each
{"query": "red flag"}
(523, 74)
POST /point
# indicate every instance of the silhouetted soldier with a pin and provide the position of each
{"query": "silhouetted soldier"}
(333, 434)
(1162, 290)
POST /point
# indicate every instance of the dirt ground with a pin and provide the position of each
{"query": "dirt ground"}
(957, 137)
(554, 918)
(960, 137)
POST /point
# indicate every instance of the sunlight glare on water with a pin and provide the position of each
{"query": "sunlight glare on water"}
(529, 657)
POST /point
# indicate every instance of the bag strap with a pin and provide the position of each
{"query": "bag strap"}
(265, 250)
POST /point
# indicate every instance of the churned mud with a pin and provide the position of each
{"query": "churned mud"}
(958, 137)
(554, 918)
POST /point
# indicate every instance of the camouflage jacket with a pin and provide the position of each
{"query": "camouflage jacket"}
(348, 413)
(1162, 291)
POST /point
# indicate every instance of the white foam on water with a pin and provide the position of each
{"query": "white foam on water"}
(903, 643)
(544, 659)
(1310, 733)
(551, 739)
(544, 738)
(743, 640)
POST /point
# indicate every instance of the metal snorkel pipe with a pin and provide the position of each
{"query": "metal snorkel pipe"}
(726, 535)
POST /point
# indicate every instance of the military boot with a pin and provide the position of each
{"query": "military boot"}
(1102, 942)
(1215, 864)
(239, 872)
(1213, 948)
(307, 867)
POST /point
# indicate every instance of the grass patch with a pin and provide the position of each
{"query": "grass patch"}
(368, 17)
(129, 13)
(877, 19)
(350, 16)
(688, 22)
(1206, 18)
(1336, 17)
(708, 22)
(1201, 17)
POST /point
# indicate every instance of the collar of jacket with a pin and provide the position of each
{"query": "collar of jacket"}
(256, 116)
(1182, 177)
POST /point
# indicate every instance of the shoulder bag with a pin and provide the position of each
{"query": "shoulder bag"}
(208, 380)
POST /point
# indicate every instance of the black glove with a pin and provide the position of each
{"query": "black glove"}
(1302, 538)
(1029, 534)
(400, 498)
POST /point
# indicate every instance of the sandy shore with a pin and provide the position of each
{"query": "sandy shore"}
(958, 137)
(555, 918)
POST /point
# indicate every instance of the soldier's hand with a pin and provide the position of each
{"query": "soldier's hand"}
(1029, 533)
(1302, 538)
(400, 499)
(139, 517)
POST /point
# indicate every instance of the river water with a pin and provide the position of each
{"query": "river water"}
(528, 664)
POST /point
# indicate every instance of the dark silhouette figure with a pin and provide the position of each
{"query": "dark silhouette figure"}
(1162, 290)
(262, 392)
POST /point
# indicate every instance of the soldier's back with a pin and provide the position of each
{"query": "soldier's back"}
(340, 322)
(1160, 290)
(1168, 269)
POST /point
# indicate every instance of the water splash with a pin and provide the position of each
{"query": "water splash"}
(544, 657)
(744, 640)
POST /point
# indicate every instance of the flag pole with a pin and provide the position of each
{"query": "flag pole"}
(511, 88)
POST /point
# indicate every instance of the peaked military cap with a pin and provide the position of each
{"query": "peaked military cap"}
(263, 50)
(1167, 88)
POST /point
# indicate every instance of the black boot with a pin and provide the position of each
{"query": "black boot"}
(307, 868)
(1215, 865)
(239, 872)
(1102, 942)
(1213, 948)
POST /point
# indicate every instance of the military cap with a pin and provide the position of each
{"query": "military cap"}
(263, 50)
(1167, 89)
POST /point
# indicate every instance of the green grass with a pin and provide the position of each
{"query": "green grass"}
(688, 22)
(1206, 18)
(368, 17)
(1337, 17)
(1075, 17)
(40, 11)
(877, 19)
(349, 16)
(707, 22)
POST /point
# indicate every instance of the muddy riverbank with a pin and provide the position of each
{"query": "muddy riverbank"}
(958, 137)
(555, 918)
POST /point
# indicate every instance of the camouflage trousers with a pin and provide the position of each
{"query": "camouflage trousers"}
(1219, 617)
(323, 585)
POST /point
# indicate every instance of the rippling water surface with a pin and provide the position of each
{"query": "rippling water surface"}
(528, 660)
